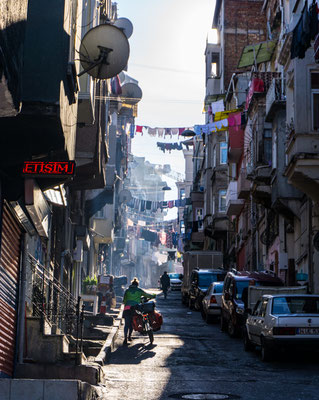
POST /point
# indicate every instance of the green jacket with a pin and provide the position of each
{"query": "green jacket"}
(133, 294)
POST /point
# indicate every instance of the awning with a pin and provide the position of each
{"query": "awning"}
(257, 53)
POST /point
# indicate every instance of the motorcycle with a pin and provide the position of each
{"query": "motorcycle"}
(142, 322)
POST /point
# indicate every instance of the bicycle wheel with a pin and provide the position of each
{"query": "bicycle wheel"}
(151, 335)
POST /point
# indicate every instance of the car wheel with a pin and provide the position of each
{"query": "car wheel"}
(223, 324)
(197, 304)
(190, 304)
(183, 300)
(210, 319)
(248, 345)
(266, 352)
(231, 329)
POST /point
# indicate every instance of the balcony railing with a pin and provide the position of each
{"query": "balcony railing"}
(275, 98)
(260, 83)
(54, 304)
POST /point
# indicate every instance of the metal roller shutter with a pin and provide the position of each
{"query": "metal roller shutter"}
(9, 281)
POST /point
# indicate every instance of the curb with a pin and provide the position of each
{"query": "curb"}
(105, 353)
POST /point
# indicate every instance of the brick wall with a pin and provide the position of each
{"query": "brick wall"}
(13, 14)
(244, 24)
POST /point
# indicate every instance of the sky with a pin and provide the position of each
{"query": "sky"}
(167, 58)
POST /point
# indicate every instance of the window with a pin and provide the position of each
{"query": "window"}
(199, 218)
(214, 156)
(315, 100)
(274, 150)
(267, 150)
(215, 65)
(223, 153)
(213, 205)
(182, 194)
(182, 227)
(222, 201)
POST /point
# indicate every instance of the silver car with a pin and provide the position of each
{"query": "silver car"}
(175, 281)
(280, 321)
(211, 304)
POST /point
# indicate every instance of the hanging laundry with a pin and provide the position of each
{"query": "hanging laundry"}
(148, 205)
(175, 131)
(218, 106)
(168, 132)
(170, 204)
(160, 132)
(152, 131)
(139, 129)
(181, 130)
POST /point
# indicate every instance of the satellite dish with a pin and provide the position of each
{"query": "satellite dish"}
(126, 26)
(125, 196)
(131, 92)
(104, 51)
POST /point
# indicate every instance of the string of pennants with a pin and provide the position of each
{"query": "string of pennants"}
(148, 205)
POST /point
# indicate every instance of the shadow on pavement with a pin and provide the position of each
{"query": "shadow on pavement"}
(133, 354)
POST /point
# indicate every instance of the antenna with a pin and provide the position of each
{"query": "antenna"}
(131, 92)
(104, 51)
(126, 26)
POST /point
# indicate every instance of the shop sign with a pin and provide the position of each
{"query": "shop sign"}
(48, 168)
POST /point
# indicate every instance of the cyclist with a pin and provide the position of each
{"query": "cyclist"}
(132, 297)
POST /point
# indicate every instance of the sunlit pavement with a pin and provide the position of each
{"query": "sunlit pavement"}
(192, 360)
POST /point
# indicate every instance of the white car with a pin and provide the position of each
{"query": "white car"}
(211, 303)
(175, 281)
(280, 321)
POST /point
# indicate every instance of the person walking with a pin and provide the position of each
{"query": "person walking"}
(165, 283)
(132, 297)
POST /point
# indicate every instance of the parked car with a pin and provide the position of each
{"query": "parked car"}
(211, 304)
(200, 282)
(283, 321)
(235, 297)
(176, 280)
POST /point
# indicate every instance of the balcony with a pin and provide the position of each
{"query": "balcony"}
(259, 85)
(275, 98)
(243, 185)
(261, 194)
(302, 172)
(233, 204)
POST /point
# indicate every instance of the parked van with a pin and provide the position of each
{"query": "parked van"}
(235, 297)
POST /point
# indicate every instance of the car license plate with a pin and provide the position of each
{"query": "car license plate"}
(308, 331)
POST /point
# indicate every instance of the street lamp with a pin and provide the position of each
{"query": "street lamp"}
(166, 188)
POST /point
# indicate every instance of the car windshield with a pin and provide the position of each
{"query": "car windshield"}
(206, 279)
(218, 288)
(174, 276)
(295, 305)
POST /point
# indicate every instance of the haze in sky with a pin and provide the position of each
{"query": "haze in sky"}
(167, 58)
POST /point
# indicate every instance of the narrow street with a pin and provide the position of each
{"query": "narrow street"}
(189, 357)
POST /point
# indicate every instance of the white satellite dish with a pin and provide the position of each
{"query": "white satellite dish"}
(104, 51)
(126, 26)
(125, 196)
(131, 93)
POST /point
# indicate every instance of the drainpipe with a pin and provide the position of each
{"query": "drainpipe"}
(22, 296)
(310, 249)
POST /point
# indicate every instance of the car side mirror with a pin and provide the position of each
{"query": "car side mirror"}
(248, 310)
(227, 296)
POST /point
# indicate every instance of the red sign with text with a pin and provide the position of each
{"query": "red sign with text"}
(48, 168)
